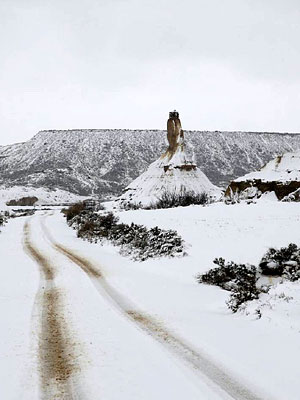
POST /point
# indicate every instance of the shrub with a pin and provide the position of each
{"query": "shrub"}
(134, 240)
(219, 276)
(74, 210)
(245, 286)
(240, 279)
(284, 262)
(23, 201)
(127, 205)
(182, 199)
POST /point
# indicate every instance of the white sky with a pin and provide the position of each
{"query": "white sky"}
(225, 65)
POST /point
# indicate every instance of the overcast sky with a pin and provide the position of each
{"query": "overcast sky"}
(224, 64)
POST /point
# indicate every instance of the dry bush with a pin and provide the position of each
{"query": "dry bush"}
(74, 210)
(23, 201)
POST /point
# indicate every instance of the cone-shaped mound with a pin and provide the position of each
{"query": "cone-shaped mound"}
(280, 176)
(174, 172)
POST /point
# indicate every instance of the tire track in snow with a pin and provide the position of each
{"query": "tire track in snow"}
(57, 358)
(214, 375)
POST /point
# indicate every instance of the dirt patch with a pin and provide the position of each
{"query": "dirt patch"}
(150, 324)
(46, 269)
(57, 361)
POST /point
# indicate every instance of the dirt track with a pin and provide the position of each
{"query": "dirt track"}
(57, 361)
(211, 372)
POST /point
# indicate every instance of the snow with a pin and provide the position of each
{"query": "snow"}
(18, 287)
(106, 161)
(172, 173)
(116, 358)
(45, 196)
(153, 183)
(283, 168)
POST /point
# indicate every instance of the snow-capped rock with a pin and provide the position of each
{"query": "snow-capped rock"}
(280, 176)
(174, 173)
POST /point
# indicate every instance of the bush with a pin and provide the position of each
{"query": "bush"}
(182, 199)
(284, 262)
(24, 201)
(134, 240)
(245, 287)
(222, 276)
(127, 205)
(74, 210)
(240, 279)
(4, 216)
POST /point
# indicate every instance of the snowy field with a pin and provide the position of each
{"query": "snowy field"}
(45, 196)
(112, 357)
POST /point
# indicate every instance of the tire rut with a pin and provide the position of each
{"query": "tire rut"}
(56, 356)
(215, 376)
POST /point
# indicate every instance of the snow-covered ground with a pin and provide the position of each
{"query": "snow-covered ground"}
(44, 195)
(114, 357)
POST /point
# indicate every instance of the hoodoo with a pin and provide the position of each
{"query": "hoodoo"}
(175, 172)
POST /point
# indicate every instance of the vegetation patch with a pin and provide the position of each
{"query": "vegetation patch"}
(3, 217)
(171, 200)
(182, 199)
(23, 201)
(283, 262)
(134, 240)
(240, 279)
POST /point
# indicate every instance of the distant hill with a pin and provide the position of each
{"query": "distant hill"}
(106, 161)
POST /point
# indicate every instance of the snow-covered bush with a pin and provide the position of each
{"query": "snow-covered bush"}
(182, 199)
(240, 279)
(283, 262)
(222, 276)
(244, 288)
(128, 205)
(4, 216)
(134, 240)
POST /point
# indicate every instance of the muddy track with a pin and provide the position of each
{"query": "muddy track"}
(57, 362)
(214, 375)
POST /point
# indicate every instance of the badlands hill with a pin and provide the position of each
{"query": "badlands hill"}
(280, 176)
(106, 161)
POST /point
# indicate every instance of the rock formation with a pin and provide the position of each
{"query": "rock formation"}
(280, 176)
(175, 172)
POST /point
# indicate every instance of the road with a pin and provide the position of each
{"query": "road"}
(93, 343)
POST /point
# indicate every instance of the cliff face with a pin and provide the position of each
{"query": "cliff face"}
(106, 161)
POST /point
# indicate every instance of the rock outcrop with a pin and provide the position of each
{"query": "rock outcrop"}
(280, 176)
(175, 172)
